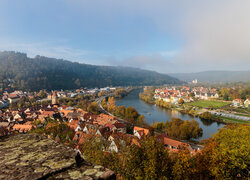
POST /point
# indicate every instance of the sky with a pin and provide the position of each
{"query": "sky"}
(161, 35)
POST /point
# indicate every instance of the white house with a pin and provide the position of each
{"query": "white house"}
(113, 147)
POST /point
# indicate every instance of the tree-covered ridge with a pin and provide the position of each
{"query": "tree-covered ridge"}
(21, 72)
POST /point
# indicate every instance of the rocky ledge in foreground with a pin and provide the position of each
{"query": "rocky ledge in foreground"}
(31, 156)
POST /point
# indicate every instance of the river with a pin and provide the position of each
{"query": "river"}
(154, 113)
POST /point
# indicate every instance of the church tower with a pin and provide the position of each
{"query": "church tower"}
(54, 97)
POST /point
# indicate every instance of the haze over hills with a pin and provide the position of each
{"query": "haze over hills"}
(214, 76)
(21, 72)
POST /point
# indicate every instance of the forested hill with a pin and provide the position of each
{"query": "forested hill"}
(215, 76)
(21, 72)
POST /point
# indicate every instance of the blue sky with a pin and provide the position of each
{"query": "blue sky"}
(162, 35)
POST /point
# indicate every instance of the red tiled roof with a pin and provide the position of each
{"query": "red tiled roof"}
(22, 127)
(139, 130)
(174, 143)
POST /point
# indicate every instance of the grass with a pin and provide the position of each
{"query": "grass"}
(208, 104)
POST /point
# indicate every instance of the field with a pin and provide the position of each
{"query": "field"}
(208, 104)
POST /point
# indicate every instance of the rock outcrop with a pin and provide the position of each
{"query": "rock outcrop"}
(31, 156)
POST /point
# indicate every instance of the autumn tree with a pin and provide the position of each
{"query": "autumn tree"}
(120, 111)
(42, 94)
(104, 104)
(101, 93)
(180, 101)
(183, 129)
(229, 157)
(131, 115)
(183, 167)
(93, 108)
(111, 104)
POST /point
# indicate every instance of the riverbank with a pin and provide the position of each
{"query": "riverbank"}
(196, 108)
(153, 113)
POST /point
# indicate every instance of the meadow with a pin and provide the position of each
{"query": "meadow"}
(209, 104)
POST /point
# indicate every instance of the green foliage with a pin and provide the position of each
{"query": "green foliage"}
(183, 129)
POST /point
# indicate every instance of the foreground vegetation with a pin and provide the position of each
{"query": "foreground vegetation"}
(225, 156)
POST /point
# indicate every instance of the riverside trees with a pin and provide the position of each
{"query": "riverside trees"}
(180, 129)
(130, 114)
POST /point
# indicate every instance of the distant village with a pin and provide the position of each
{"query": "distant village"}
(84, 124)
(187, 94)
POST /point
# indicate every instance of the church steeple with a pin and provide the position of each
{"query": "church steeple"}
(54, 98)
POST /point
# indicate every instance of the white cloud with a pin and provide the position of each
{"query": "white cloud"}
(215, 34)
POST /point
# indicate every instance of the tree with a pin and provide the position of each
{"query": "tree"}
(131, 115)
(183, 167)
(206, 115)
(120, 111)
(42, 94)
(180, 101)
(104, 103)
(93, 107)
(229, 157)
(150, 160)
(183, 129)
(160, 126)
(101, 93)
(111, 104)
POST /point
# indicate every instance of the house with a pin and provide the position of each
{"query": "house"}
(237, 102)
(174, 145)
(141, 132)
(103, 119)
(113, 147)
(74, 124)
(247, 103)
(116, 127)
(120, 127)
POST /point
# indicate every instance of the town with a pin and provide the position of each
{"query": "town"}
(196, 100)
(83, 124)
